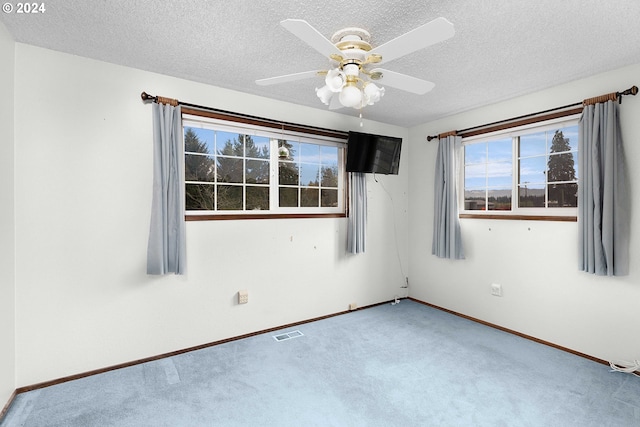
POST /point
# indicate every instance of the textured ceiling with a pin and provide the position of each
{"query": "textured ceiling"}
(501, 49)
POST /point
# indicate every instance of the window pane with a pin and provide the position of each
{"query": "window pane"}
(288, 197)
(197, 140)
(257, 198)
(571, 133)
(563, 195)
(474, 199)
(533, 144)
(499, 150)
(229, 144)
(288, 173)
(292, 147)
(531, 196)
(499, 199)
(199, 197)
(475, 153)
(230, 170)
(309, 197)
(198, 168)
(257, 147)
(257, 171)
(309, 153)
(329, 156)
(329, 198)
(329, 176)
(229, 197)
(475, 175)
(533, 170)
(499, 174)
(562, 167)
(559, 142)
(309, 175)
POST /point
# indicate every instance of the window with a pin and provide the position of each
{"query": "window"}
(528, 171)
(234, 169)
(488, 174)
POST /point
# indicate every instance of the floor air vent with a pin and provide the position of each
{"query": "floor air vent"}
(287, 335)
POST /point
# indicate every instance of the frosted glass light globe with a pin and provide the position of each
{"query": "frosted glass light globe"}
(373, 93)
(335, 80)
(325, 94)
(350, 96)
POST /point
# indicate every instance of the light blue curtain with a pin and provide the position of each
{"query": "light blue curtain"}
(603, 199)
(166, 251)
(357, 224)
(447, 238)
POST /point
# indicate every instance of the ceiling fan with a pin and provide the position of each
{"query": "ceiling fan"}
(354, 63)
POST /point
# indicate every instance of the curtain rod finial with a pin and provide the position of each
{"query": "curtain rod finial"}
(146, 97)
(633, 90)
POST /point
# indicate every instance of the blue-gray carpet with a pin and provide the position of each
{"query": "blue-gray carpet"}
(402, 365)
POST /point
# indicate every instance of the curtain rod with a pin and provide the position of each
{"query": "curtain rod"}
(246, 118)
(565, 110)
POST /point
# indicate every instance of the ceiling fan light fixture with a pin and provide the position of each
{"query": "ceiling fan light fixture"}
(325, 94)
(372, 93)
(351, 70)
(283, 152)
(335, 80)
(351, 95)
(350, 74)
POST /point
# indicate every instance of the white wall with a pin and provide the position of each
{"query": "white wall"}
(535, 261)
(83, 180)
(7, 219)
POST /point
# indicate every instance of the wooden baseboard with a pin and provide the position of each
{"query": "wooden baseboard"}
(175, 353)
(6, 407)
(511, 331)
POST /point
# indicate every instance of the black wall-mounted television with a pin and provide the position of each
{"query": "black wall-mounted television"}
(373, 153)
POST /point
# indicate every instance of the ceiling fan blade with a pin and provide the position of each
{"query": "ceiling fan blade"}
(287, 78)
(305, 32)
(404, 82)
(426, 35)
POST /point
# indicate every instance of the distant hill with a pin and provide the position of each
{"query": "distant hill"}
(479, 194)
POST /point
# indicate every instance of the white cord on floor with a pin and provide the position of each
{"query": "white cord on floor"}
(628, 367)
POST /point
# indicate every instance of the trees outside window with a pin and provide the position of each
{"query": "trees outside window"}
(231, 171)
(524, 173)
(562, 179)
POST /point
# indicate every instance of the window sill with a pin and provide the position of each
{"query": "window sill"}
(260, 216)
(566, 218)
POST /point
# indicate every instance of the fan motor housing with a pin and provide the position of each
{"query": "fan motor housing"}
(351, 31)
(353, 43)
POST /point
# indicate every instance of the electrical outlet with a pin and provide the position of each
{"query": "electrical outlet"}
(496, 290)
(243, 297)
